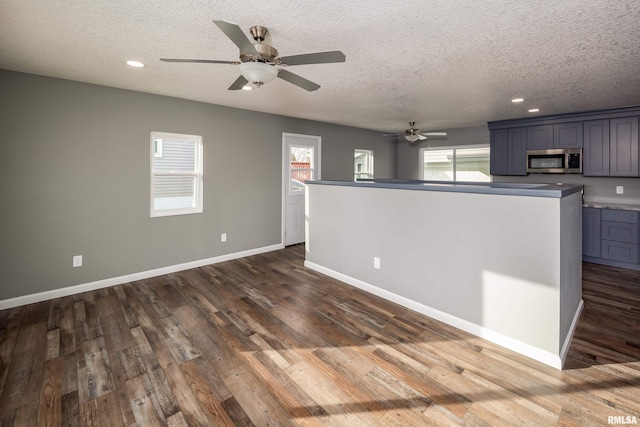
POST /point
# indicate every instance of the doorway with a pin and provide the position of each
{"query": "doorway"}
(300, 162)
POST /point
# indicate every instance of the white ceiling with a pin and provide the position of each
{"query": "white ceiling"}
(441, 63)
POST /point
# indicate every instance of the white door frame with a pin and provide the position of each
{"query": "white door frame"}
(285, 174)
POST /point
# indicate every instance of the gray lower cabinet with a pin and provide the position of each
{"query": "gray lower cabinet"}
(591, 240)
(620, 251)
(611, 237)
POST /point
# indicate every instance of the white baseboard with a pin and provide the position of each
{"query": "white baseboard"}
(544, 356)
(99, 284)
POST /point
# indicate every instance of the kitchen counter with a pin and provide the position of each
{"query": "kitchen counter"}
(504, 188)
(601, 205)
(490, 259)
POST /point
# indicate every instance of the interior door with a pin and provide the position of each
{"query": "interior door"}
(301, 162)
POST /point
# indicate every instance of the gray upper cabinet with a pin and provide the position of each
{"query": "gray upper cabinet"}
(609, 140)
(567, 135)
(595, 156)
(517, 139)
(499, 146)
(624, 147)
(508, 152)
(540, 137)
(562, 135)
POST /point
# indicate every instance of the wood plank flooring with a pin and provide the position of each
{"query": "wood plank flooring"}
(264, 341)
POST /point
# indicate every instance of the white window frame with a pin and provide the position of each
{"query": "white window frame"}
(368, 164)
(197, 173)
(446, 147)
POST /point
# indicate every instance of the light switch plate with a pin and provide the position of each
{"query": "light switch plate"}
(619, 189)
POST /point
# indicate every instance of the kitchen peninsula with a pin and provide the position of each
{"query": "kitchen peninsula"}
(498, 260)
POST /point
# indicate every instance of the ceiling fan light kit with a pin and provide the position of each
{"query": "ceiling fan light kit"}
(258, 73)
(260, 63)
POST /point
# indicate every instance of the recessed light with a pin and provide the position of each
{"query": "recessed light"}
(247, 87)
(534, 110)
(135, 64)
(516, 100)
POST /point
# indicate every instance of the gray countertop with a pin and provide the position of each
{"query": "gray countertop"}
(502, 188)
(602, 205)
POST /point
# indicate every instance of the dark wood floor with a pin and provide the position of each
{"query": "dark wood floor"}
(264, 341)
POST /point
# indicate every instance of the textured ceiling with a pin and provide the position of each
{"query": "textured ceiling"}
(441, 63)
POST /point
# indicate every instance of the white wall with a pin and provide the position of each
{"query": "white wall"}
(491, 261)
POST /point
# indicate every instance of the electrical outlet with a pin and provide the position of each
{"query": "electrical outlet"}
(223, 237)
(376, 263)
(77, 261)
(619, 189)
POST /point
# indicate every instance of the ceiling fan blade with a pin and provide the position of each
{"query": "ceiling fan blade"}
(199, 61)
(297, 80)
(421, 137)
(392, 134)
(314, 58)
(237, 36)
(239, 83)
(434, 133)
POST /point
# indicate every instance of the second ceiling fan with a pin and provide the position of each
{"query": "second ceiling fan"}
(261, 63)
(413, 134)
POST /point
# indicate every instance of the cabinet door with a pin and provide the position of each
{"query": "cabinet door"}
(540, 137)
(499, 146)
(619, 215)
(618, 251)
(620, 232)
(567, 135)
(591, 232)
(595, 155)
(517, 138)
(623, 159)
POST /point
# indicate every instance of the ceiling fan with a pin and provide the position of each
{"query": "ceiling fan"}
(260, 63)
(412, 134)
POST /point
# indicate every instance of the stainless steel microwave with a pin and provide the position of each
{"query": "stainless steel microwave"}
(566, 160)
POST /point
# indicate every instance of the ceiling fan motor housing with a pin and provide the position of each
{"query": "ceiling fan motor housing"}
(266, 54)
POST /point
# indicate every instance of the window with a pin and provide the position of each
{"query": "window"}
(176, 174)
(362, 164)
(464, 163)
(300, 168)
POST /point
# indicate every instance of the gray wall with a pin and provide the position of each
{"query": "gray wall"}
(601, 190)
(74, 175)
